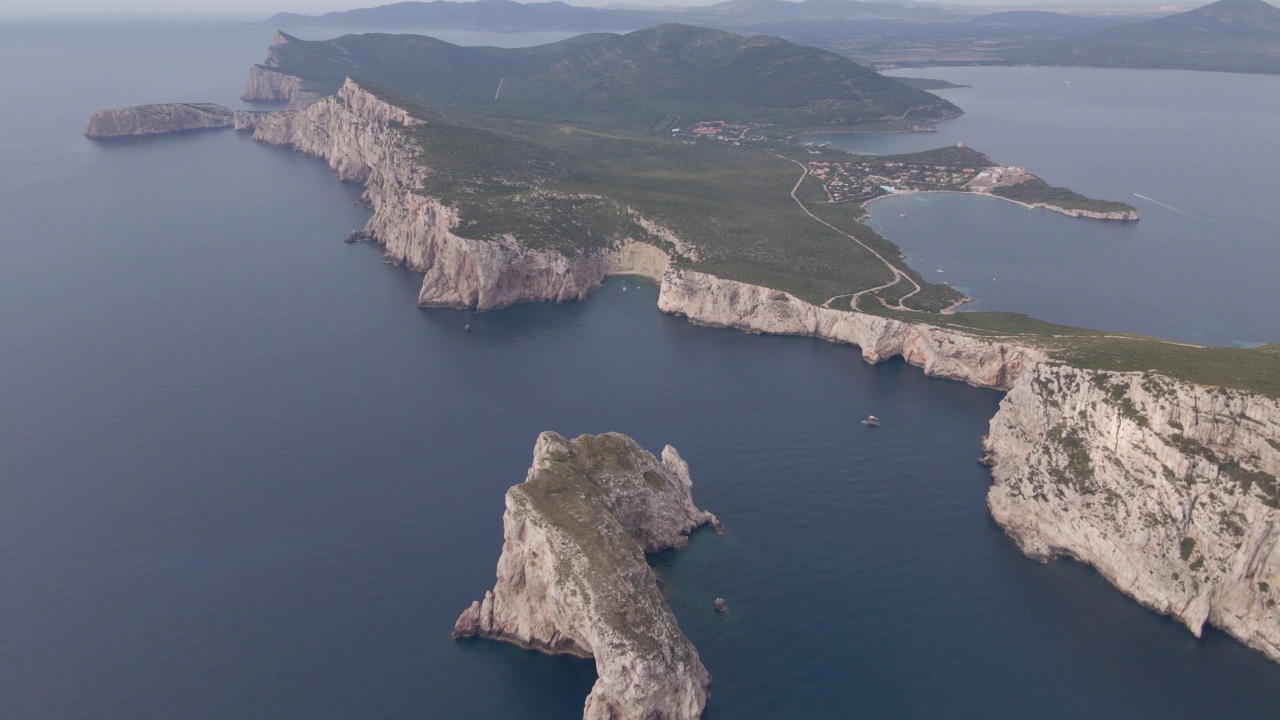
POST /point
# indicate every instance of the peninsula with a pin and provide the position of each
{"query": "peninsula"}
(863, 178)
(1155, 452)
(573, 579)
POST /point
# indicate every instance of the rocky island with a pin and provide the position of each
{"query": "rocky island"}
(166, 118)
(572, 578)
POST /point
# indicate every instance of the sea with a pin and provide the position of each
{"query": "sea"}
(1197, 153)
(242, 476)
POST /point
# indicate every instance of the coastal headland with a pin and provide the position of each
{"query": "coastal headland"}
(1134, 454)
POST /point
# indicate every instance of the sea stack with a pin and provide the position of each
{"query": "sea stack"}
(572, 578)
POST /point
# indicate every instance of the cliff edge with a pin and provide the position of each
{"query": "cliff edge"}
(1167, 488)
(158, 119)
(359, 135)
(572, 578)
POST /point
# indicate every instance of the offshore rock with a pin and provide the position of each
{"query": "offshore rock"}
(360, 136)
(940, 352)
(1167, 488)
(157, 119)
(572, 578)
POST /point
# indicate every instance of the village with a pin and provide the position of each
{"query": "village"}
(862, 180)
(717, 130)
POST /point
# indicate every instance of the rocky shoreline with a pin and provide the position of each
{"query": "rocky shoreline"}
(572, 578)
(1167, 488)
(1065, 482)
(356, 134)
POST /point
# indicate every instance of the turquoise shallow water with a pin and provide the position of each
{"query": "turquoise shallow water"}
(242, 476)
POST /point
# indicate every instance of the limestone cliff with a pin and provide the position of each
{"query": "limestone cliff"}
(1168, 488)
(1117, 215)
(359, 136)
(573, 579)
(157, 119)
(1076, 471)
(709, 300)
(247, 119)
(268, 84)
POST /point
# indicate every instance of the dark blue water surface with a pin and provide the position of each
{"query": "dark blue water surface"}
(1197, 153)
(241, 476)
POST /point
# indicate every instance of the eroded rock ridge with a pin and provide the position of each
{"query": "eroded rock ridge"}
(572, 578)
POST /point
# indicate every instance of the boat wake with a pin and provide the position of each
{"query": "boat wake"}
(1168, 207)
(1215, 221)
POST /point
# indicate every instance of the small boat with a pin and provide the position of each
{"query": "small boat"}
(941, 270)
(871, 421)
(466, 328)
(902, 215)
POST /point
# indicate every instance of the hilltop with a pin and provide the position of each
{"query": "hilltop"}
(642, 80)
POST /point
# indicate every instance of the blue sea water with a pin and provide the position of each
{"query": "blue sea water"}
(1197, 153)
(241, 476)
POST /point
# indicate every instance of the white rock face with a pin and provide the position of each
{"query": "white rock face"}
(1120, 215)
(268, 84)
(572, 577)
(157, 119)
(1166, 487)
(358, 135)
(1075, 471)
(709, 300)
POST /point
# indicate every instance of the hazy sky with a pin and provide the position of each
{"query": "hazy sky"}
(260, 9)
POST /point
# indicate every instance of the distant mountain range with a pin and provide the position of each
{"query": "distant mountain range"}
(493, 15)
(1229, 35)
(506, 15)
(634, 80)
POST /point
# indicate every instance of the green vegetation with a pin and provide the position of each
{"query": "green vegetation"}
(574, 494)
(641, 81)
(928, 83)
(1188, 547)
(585, 183)
(568, 188)
(1079, 472)
(1254, 369)
(1036, 191)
